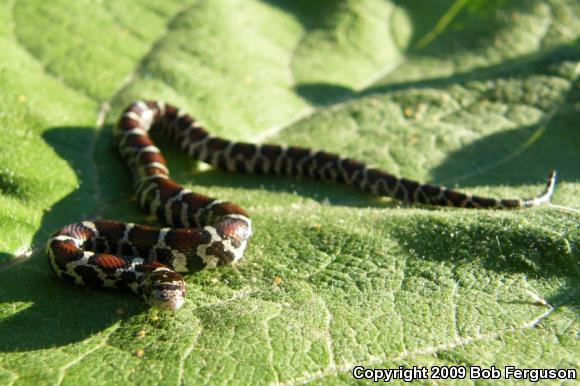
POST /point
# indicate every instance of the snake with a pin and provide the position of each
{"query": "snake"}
(203, 232)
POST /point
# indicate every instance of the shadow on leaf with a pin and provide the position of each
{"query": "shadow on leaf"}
(519, 156)
(321, 94)
(497, 244)
(46, 311)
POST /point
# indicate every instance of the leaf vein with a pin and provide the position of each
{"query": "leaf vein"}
(427, 350)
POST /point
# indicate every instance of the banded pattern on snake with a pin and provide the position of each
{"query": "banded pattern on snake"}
(204, 232)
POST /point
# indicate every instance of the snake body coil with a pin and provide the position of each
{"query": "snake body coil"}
(204, 232)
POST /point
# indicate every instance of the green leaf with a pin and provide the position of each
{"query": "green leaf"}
(479, 95)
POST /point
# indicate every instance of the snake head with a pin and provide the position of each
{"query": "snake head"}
(164, 289)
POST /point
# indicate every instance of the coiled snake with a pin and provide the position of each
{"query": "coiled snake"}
(204, 232)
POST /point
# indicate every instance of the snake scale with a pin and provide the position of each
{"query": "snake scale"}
(204, 232)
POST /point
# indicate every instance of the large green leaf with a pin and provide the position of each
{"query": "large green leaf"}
(481, 95)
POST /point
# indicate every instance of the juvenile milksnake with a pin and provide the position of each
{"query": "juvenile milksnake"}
(204, 232)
